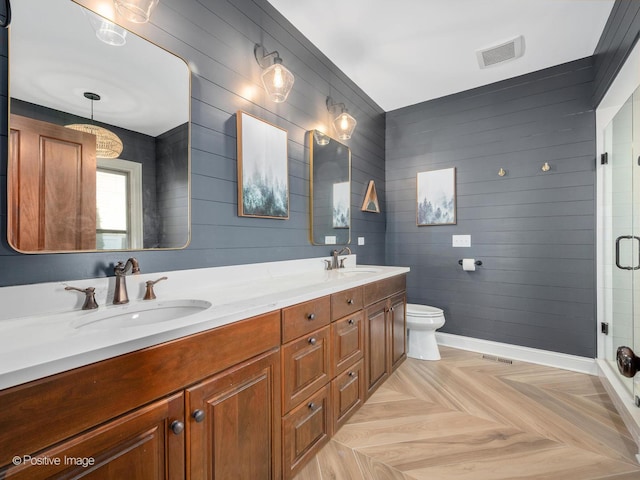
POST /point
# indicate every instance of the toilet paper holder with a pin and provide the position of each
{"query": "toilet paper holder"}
(477, 262)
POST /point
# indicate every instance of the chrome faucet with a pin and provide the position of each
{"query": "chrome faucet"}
(120, 295)
(335, 254)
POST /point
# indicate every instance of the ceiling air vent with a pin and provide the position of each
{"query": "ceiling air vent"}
(501, 53)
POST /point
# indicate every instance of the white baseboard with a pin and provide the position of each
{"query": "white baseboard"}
(524, 354)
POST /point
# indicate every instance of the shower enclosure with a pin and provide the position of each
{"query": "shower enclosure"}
(621, 235)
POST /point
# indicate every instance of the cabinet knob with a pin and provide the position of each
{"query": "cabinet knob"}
(312, 406)
(311, 316)
(351, 321)
(198, 415)
(350, 301)
(352, 374)
(177, 427)
(312, 341)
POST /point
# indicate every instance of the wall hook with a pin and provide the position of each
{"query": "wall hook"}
(502, 172)
(546, 167)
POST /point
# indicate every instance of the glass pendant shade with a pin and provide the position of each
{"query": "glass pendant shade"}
(136, 11)
(111, 34)
(344, 124)
(108, 144)
(106, 31)
(321, 138)
(277, 81)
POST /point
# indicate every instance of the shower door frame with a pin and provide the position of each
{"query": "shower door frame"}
(621, 89)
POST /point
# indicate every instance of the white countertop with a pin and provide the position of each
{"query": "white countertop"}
(36, 344)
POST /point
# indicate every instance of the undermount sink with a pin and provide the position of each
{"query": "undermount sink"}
(127, 316)
(357, 270)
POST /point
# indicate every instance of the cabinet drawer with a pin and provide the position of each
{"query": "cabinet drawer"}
(348, 341)
(306, 366)
(305, 430)
(305, 317)
(346, 302)
(347, 393)
(384, 288)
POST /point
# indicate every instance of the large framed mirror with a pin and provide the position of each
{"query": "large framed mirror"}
(71, 188)
(330, 165)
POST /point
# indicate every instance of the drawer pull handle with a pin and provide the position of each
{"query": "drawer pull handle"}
(177, 427)
(311, 316)
(312, 406)
(198, 415)
(312, 341)
(352, 374)
(350, 301)
(351, 321)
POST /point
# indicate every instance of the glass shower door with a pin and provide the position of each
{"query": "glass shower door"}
(621, 241)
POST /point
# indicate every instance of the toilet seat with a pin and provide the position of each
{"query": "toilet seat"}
(423, 311)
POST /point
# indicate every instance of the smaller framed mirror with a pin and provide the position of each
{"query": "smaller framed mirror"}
(330, 177)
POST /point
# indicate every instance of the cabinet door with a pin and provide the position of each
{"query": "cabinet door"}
(397, 331)
(146, 444)
(306, 429)
(347, 393)
(306, 366)
(376, 369)
(234, 423)
(348, 341)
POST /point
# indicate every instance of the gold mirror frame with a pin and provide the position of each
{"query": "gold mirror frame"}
(155, 235)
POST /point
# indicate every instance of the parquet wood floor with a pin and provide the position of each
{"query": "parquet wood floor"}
(469, 418)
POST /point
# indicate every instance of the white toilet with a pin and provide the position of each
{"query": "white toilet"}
(422, 323)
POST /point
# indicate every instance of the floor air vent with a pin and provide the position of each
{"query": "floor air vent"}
(493, 358)
(501, 53)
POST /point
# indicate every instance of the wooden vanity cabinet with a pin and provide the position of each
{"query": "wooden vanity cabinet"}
(255, 399)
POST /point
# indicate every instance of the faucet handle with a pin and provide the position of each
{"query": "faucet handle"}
(150, 294)
(89, 299)
(328, 264)
(342, 262)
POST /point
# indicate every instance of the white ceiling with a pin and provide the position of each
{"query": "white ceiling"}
(404, 52)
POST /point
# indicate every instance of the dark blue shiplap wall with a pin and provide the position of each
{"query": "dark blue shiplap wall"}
(534, 231)
(216, 38)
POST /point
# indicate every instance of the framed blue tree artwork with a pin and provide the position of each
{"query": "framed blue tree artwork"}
(436, 197)
(263, 178)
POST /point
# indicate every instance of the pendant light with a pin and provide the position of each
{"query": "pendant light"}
(276, 78)
(106, 31)
(344, 124)
(321, 138)
(136, 11)
(108, 144)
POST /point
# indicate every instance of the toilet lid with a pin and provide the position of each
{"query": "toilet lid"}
(423, 310)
